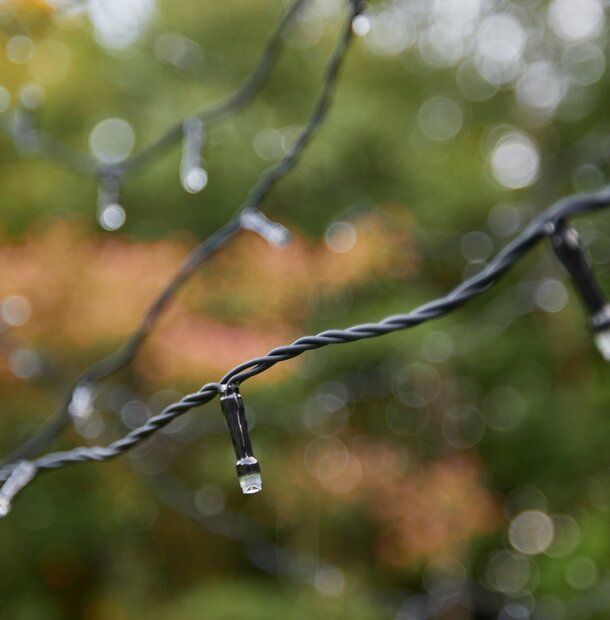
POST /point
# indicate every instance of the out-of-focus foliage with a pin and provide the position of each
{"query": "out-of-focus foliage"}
(455, 471)
(95, 293)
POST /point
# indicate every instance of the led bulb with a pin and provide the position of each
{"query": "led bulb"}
(5, 506)
(272, 232)
(193, 177)
(602, 342)
(248, 469)
(195, 180)
(572, 255)
(110, 213)
(249, 475)
(600, 324)
(82, 404)
(21, 476)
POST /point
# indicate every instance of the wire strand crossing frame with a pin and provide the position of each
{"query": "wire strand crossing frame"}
(123, 356)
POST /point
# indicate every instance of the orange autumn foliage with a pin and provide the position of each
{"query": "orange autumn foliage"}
(422, 510)
(433, 512)
(88, 291)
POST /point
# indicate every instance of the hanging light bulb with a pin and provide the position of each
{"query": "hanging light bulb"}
(21, 476)
(193, 177)
(248, 470)
(272, 232)
(110, 213)
(572, 255)
(82, 404)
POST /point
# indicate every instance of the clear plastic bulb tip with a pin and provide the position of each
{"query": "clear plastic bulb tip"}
(5, 506)
(602, 342)
(21, 476)
(194, 180)
(251, 483)
(279, 236)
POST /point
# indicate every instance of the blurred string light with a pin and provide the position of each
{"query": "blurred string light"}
(194, 178)
(21, 475)
(112, 140)
(275, 234)
(110, 213)
(531, 531)
(247, 217)
(206, 506)
(462, 426)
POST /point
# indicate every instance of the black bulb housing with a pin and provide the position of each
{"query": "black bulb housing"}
(248, 469)
(573, 257)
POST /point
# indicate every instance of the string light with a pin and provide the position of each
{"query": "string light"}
(123, 356)
(110, 213)
(28, 139)
(82, 403)
(474, 286)
(249, 217)
(248, 470)
(193, 177)
(569, 250)
(23, 473)
(256, 221)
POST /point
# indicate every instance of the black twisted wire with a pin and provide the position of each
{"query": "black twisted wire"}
(125, 354)
(44, 145)
(540, 227)
(472, 287)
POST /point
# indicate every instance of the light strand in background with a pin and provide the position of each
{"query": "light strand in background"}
(193, 177)
(248, 217)
(541, 227)
(27, 139)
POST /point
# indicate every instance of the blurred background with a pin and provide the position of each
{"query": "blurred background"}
(455, 471)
